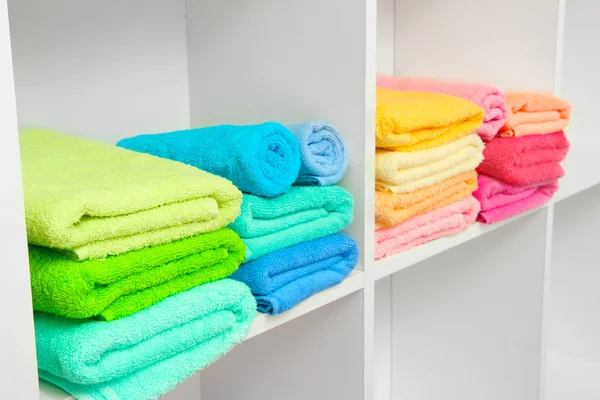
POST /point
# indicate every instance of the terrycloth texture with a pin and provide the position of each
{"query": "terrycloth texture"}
(323, 153)
(413, 121)
(392, 209)
(304, 213)
(399, 172)
(91, 199)
(489, 97)
(147, 354)
(260, 159)
(118, 286)
(535, 114)
(438, 223)
(525, 160)
(501, 200)
(284, 278)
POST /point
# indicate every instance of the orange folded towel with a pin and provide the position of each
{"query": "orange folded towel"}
(392, 209)
(534, 114)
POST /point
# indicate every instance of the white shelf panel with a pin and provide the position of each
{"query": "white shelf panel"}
(263, 322)
(571, 378)
(582, 169)
(390, 265)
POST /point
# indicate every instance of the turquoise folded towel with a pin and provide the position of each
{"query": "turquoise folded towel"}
(147, 354)
(323, 152)
(303, 213)
(284, 278)
(259, 159)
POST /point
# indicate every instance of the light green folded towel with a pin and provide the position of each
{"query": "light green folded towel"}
(303, 213)
(117, 286)
(92, 199)
(147, 354)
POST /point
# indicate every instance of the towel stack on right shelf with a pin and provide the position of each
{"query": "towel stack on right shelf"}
(521, 164)
(427, 152)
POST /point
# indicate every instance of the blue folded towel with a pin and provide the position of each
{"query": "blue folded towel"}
(147, 354)
(324, 154)
(259, 159)
(284, 278)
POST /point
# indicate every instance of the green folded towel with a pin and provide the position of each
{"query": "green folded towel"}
(303, 213)
(148, 353)
(92, 199)
(121, 285)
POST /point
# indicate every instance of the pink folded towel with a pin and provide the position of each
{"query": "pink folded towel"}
(441, 222)
(489, 97)
(501, 200)
(525, 160)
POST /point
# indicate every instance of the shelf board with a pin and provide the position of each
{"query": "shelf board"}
(571, 377)
(262, 323)
(392, 264)
(582, 167)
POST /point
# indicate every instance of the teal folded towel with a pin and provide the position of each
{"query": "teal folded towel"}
(147, 354)
(303, 213)
(323, 153)
(259, 159)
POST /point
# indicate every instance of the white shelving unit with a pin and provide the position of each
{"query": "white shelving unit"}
(498, 312)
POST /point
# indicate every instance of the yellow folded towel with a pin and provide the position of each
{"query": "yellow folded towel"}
(392, 209)
(413, 121)
(399, 172)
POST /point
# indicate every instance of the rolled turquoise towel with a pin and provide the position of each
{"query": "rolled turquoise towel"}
(147, 354)
(259, 159)
(285, 277)
(303, 213)
(323, 153)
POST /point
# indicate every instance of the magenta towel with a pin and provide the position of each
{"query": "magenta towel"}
(441, 222)
(501, 200)
(489, 97)
(525, 160)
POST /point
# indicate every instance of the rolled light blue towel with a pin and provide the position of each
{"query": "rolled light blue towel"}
(323, 151)
(284, 278)
(147, 354)
(263, 160)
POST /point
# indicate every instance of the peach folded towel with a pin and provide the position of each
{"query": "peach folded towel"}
(444, 221)
(392, 209)
(489, 97)
(525, 160)
(534, 114)
(501, 200)
(399, 172)
(413, 121)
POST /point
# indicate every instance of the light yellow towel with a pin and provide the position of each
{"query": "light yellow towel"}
(399, 172)
(413, 121)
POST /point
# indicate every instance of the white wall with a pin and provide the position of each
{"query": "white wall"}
(18, 379)
(105, 69)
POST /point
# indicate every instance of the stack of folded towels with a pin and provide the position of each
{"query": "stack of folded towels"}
(429, 144)
(128, 255)
(522, 163)
(291, 212)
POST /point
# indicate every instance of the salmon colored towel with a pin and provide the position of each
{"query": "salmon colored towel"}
(413, 121)
(489, 97)
(399, 172)
(444, 221)
(525, 160)
(501, 200)
(534, 114)
(392, 209)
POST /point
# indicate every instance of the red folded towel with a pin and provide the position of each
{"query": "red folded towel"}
(525, 160)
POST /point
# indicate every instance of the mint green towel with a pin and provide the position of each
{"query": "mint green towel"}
(117, 286)
(147, 354)
(92, 199)
(303, 213)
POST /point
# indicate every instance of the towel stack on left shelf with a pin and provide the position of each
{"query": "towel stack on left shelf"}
(293, 248)
(128, 255)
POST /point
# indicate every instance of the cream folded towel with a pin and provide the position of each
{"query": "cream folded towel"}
(403, 172)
